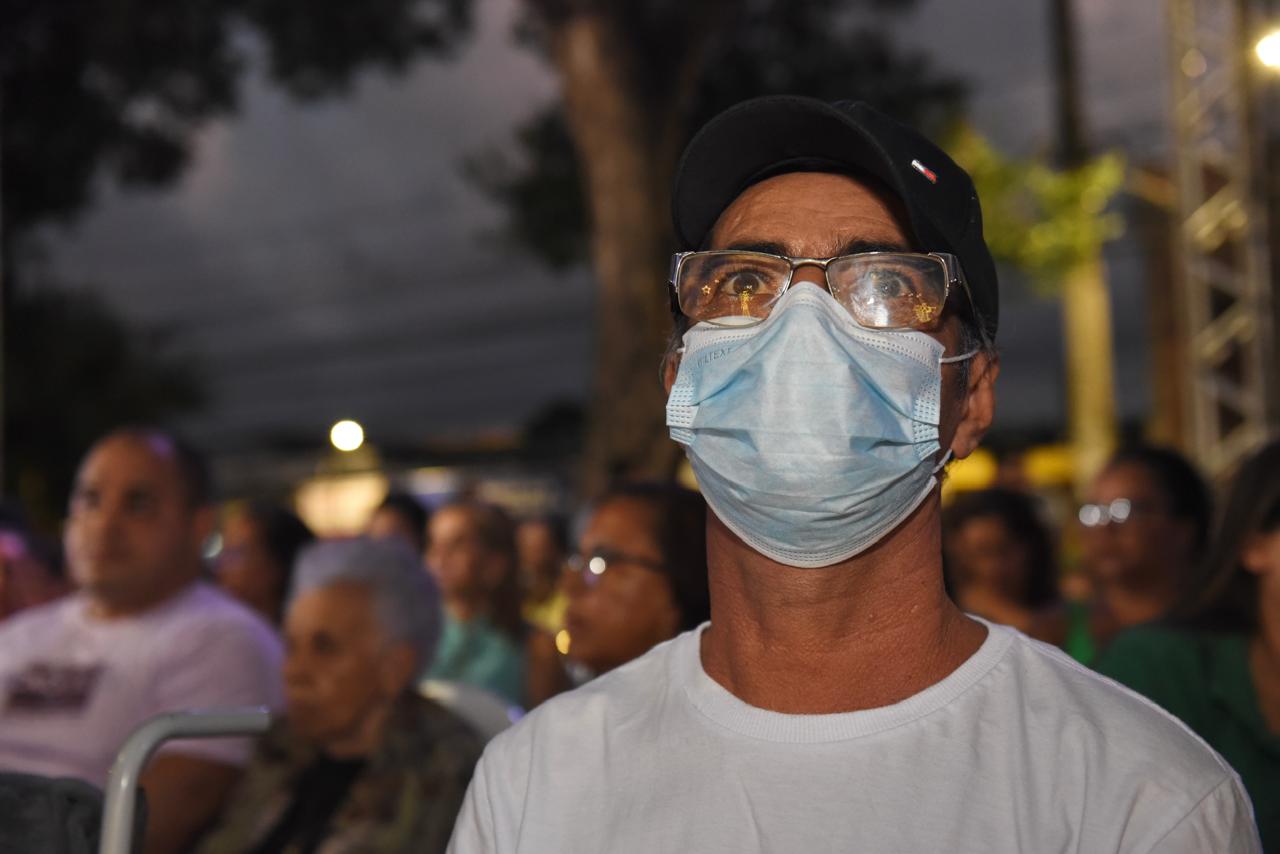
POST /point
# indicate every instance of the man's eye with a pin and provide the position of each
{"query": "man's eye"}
(741, 282)
(890, 284)
(323, 645)
(140, 503)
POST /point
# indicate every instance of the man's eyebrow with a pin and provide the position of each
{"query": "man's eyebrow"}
(853, 247)
(758, 246)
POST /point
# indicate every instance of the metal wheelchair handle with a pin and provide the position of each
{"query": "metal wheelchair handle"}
(122, 783)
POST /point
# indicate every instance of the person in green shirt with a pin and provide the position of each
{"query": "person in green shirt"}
(1215, 663)
(1144, 527)
(472, 554)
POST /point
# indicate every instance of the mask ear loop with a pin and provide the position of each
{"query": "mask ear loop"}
(946, 458)
(948, 360)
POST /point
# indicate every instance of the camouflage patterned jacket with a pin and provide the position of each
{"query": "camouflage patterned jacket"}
(405, 799)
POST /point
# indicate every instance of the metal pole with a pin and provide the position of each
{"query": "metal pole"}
(1222, 250)
(122, 784)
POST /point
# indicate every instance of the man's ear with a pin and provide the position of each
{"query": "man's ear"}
(979, 405)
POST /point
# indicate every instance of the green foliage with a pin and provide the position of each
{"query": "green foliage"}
(1043, 221)
(94, 89)
(540, 190)
(79, 371)
(118, 87)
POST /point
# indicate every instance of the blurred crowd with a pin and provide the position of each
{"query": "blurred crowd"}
(393, 656)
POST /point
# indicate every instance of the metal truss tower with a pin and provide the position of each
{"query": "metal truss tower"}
(1221, 243)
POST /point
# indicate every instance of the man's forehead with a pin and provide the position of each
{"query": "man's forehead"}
(816, 214)
(136, 461)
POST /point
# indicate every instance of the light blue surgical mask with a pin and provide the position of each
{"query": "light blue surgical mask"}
(811, 436)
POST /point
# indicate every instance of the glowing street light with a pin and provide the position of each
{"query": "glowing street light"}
(346, 435)
(1268, 49)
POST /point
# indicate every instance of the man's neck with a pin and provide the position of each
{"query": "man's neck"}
(115, 606)
(868, 632)
(1130, 601)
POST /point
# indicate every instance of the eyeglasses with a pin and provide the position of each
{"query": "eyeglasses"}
(1117, 512)
(591, 567)
(881, 290)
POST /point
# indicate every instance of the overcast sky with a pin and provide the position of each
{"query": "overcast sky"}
(330, 261)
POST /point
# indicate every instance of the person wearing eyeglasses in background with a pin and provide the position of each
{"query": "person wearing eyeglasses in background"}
(639, 576)
(838, 700)
(1144, 527)
(1215, 661)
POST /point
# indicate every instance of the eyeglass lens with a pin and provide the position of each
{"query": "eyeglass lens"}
(1097, 515)
(591, 567)
(881, 290)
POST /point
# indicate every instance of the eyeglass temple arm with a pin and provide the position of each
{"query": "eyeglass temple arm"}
(673, 293)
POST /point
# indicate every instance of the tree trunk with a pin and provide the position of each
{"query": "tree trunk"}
(627, 160)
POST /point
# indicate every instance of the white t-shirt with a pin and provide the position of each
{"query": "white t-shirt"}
(1019, 750)
(72, 688)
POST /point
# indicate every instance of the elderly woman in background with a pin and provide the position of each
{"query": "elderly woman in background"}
(640, 575)
(359, 762)
(1216, 662)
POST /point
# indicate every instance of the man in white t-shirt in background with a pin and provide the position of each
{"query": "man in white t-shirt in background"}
(143, 635)
(836, 351)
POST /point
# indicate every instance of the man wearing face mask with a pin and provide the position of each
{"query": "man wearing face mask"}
(836, 326)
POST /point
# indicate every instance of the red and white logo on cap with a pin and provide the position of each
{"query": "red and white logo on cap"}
(925, 171)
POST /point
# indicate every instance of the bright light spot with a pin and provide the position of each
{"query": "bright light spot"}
(1119, 510)
(596, 565)
(1194, 63)
(346, 435)
(562, 641)
(1090, 515)
(1269, 49)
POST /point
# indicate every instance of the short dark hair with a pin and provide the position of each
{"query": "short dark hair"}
(1017, 511)
(283, 535)
(681, 517)
(557, 526)
(1223, 596)
(1178, 480)
(193, 467)
(407, 506)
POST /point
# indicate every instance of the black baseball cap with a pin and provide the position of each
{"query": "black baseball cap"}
(775, 134)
